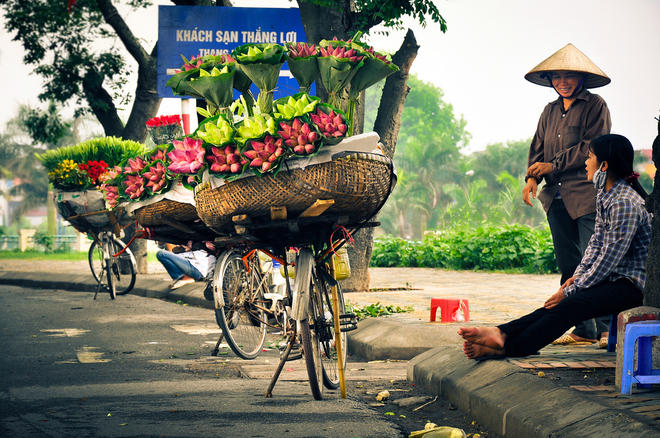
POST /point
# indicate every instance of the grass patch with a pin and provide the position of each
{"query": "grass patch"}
(69, 256)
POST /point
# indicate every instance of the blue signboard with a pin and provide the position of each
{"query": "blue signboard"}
(210, 30)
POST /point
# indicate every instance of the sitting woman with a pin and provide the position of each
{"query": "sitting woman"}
(611, 275)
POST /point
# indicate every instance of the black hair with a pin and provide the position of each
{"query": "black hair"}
(619, 154)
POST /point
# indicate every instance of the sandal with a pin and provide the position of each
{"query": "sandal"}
(181, 282)
(564, 340)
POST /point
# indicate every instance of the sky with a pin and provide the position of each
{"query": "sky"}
(480, 62)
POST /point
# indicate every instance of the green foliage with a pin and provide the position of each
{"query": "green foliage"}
(369, 13)
(488, 247)
(112, 150)
(374, 310)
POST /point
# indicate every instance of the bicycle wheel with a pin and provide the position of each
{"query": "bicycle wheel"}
(242, 318)
(325, 329)
(309, 338)
(123, 266)
(109, 275)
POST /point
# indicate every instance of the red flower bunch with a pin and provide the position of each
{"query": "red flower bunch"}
(164, 121)
(94, 169)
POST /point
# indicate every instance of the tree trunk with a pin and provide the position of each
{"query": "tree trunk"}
(387, 125)
(652, 285)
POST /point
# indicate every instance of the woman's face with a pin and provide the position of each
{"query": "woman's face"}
(591, 165)
(565, 82)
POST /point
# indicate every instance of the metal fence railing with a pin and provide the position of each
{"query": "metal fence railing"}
(60, 241)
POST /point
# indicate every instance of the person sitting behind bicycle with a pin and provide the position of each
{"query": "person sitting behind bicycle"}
(185, 265)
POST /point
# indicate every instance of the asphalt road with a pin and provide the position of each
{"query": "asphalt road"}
(72, 366)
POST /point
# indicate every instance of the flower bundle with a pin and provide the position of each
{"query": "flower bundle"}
(187, 159)
(300, 136)
(330, 122)
(303, 64)
(264, 155)
(338, 63)
(297, 105)
(67, 176)
(164, 129)
(225, 161)
(262, 64)
(94, 170)
(156, 177)
(208, 77)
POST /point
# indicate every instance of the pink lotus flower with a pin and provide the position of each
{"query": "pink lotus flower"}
(155, 176)
(134, 186)
(110, 193)
(187, 156)
(135, 165)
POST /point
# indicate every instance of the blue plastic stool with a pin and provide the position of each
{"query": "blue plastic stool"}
(611, 339)
(642, 332)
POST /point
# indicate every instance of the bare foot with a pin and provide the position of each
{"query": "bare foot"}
(488, 336)
(475, 351)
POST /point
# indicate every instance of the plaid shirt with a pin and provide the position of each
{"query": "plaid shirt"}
(620, 243)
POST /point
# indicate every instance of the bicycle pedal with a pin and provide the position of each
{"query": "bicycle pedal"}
(348, 322)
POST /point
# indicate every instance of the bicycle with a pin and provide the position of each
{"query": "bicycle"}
(112, 263)
(110, 257)
(302, 208)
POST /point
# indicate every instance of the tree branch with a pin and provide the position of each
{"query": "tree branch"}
(131, 43)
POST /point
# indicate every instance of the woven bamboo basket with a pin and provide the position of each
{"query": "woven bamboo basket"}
(179, 211)
(359, 184)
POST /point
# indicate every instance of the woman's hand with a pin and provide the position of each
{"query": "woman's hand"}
(537, 170)
(554, 299)
(530, 187)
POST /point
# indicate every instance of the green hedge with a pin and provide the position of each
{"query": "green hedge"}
(489, 247)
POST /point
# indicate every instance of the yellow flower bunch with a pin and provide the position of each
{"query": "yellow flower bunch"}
(68, 176)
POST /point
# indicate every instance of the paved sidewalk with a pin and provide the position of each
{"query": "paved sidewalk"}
(507, 396)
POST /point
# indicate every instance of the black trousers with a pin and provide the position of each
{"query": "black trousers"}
(571, 238)
(534, 331)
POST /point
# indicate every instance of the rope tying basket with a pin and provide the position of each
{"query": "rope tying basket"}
(359, 184)
(150, 215)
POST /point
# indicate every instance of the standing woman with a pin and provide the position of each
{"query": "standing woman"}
(557, 154)
(611, 275)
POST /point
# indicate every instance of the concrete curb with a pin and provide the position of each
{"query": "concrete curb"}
(515, 403)
(145, 286)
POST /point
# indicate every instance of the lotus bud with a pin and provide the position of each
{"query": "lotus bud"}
(313, 137)
(302, 139)
(278, 152)
(337, 120)
(251, 154)
(264, 155)
(306, 129)
(235, 167)
(257, 146)
(310, 148)
(270, 148)
(265, 166)
(272, 158)
(337, 134)
(231, 159)
(342, 128)
(300, 150)
(330, 127)
(229, 150)
(257, 162)
(215, 167)
(292, 143)
(296, 125)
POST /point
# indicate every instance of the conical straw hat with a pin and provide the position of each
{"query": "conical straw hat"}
(568, 58)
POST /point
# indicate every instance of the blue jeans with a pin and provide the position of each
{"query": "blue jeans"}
(177, 266)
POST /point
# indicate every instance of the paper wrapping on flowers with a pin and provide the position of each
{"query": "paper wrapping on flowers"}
(366, 143)
(177, 192)
(83, 202)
